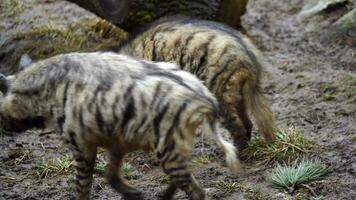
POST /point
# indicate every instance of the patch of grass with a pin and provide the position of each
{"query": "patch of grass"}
(350, 79)
(11, 8)
(350, 85)
(353, 138)
(53, 167)
(248, 192)
(200, 160)
(299, 76)
(87, 35)
(228, 187)
(297, 174)
(164, 179)
(100, 167)
(129, 172)
(289, 145)
(254, 194)
(329, 91)
(329, 98)
(309, 198)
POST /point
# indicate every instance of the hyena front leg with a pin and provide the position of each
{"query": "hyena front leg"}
(116, 181)
(84, 162)
(174, 164)
(181, 178)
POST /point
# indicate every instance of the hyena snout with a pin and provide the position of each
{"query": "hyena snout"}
(4, 84)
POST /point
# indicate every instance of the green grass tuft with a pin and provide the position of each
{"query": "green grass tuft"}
(353, 138)
(200, 160)
(350, 79)
(53, 167)
(290, 177)
(130, 172)
(289, 146)
(127, 170)
(329, 98)
(100, 167)
(164, 179)
(248, 191)
(228, 187)
(307, 197)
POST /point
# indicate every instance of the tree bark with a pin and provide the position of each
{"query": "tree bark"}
(231, 11)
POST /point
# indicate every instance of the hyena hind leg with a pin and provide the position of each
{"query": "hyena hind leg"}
(235, 115)
(242, 112)
(235, 125)
(116, 181)
(84, 163)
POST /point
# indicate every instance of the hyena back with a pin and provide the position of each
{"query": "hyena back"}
(222, 57)
(118, 103)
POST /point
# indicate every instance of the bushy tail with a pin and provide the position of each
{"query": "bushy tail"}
(259, 107)
(229, 149)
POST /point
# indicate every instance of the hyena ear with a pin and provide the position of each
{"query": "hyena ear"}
(4, 84)
(25, 61)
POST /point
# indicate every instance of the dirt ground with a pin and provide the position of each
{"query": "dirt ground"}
(310, 81)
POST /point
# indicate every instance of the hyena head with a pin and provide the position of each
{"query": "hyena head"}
(25, 62)
(14, 113)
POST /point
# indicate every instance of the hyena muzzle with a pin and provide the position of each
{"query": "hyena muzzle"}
(118, 103)
(222, 57)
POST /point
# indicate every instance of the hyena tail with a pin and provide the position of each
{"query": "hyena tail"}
(259, 107)
(231, 157)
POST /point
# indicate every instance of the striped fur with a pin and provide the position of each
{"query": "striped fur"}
(222, 57)
(118, 103)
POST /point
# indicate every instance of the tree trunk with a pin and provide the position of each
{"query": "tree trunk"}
(231, 11)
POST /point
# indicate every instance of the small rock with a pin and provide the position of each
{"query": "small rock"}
(345, 26)
(25, 61)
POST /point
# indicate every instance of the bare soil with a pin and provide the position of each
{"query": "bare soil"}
(310, 81)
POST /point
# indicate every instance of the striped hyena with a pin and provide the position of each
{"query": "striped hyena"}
(118, 103)
(222, 57)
